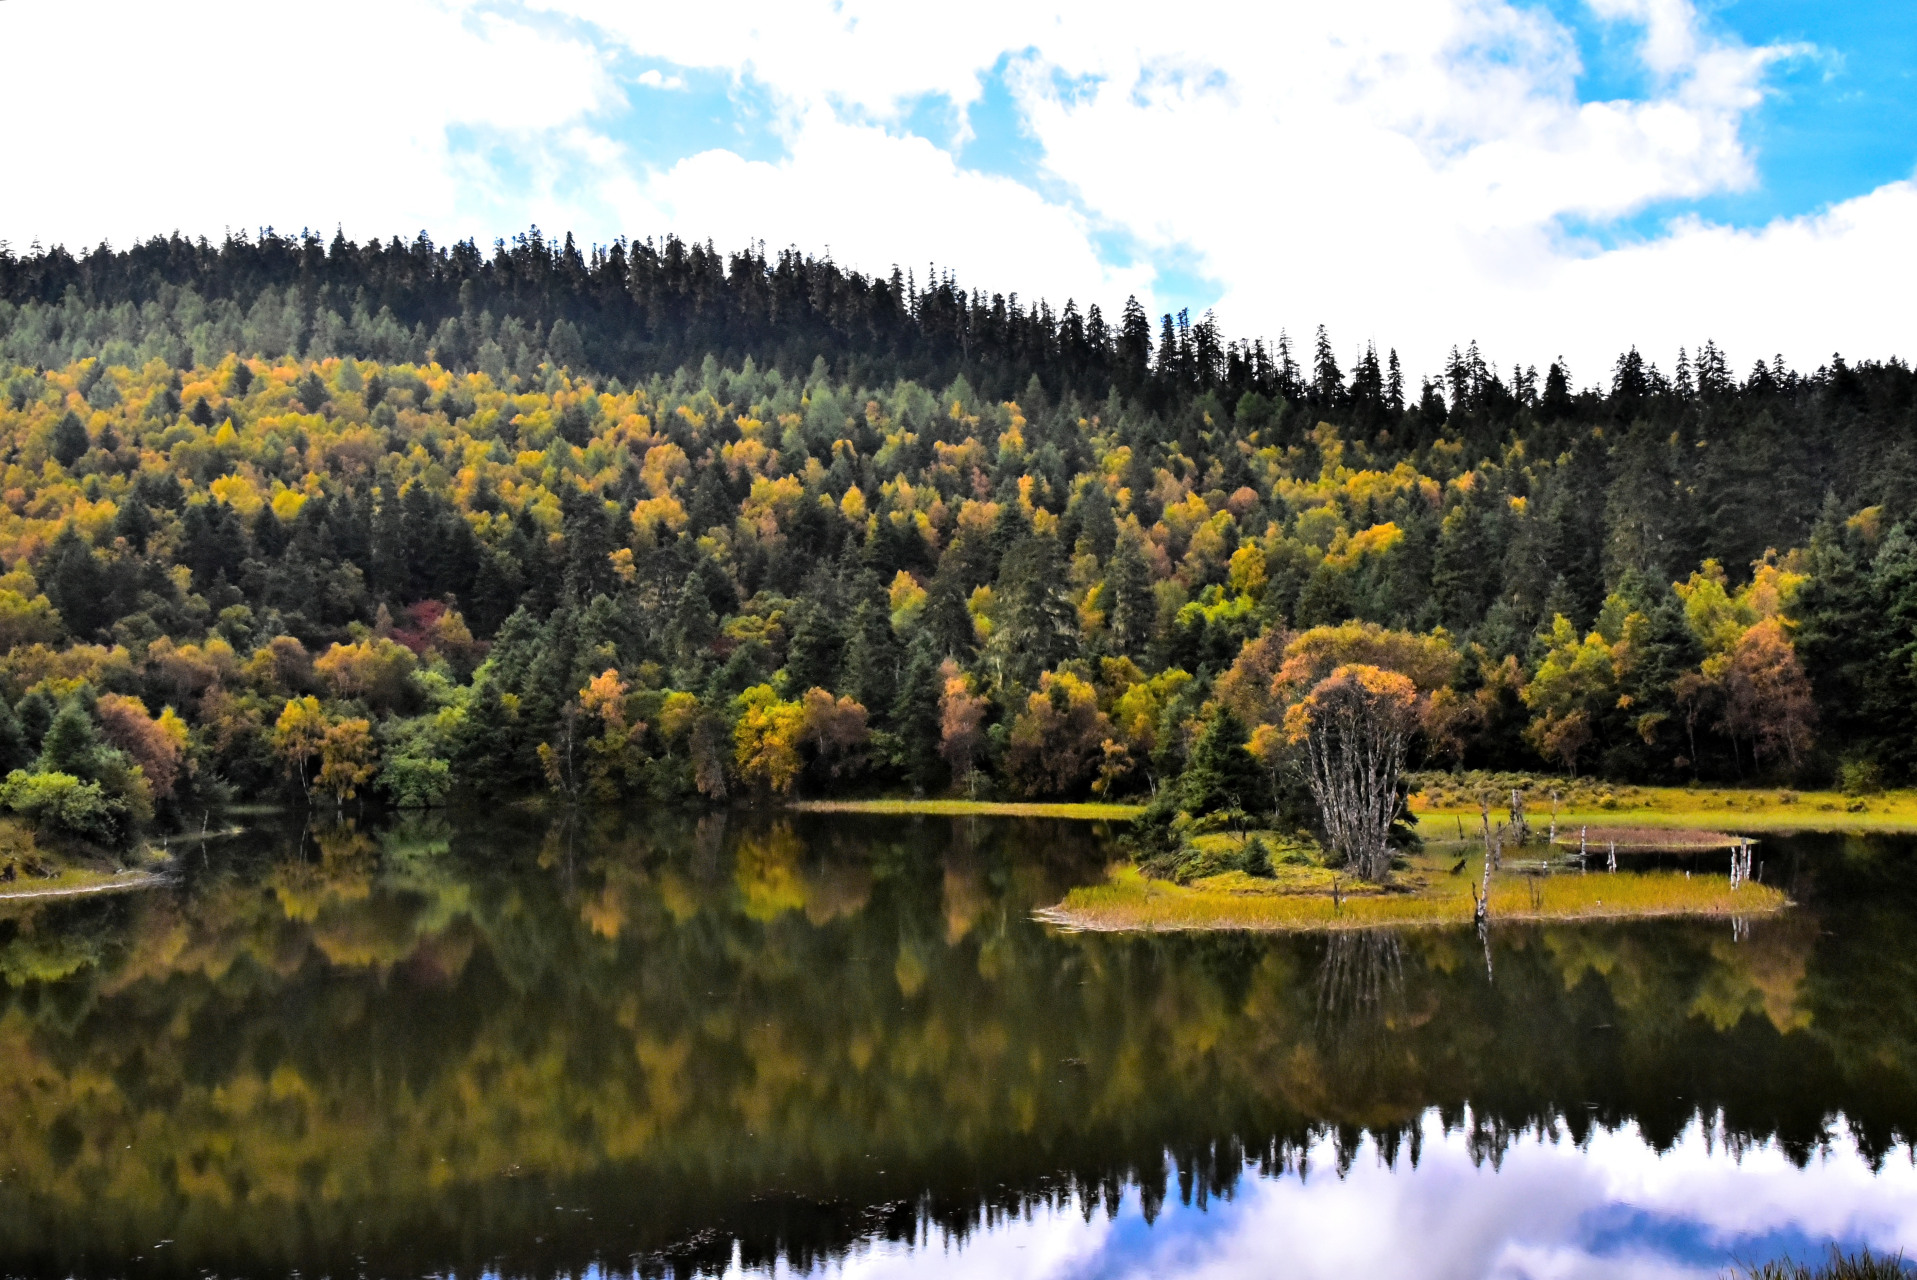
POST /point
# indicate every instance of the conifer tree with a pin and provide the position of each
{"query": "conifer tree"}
(72, 744)
(1221, 774)
(1838, 618)
(1041, 629)
(916, 715)
(1134, 608)
(15, 751)
(70, 441)
(872, 656)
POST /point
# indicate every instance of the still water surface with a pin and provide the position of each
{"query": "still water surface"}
(485, 1044)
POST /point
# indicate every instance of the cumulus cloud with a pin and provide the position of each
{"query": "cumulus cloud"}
(1411, 172)
(1415, 172)
(876, 199)
(147, 118)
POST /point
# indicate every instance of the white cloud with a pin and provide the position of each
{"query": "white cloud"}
(1400, 170)
(147, 118)
(876, 200)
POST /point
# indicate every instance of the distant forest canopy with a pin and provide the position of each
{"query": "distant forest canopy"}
(395, 519)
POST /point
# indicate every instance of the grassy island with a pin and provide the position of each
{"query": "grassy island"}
(1423, 892)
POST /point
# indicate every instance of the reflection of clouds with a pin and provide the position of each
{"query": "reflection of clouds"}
(1612, 1208)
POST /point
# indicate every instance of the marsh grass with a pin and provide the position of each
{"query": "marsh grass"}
(975, 809)
(1441, 800)
(1426, 894)
(1839, 1266)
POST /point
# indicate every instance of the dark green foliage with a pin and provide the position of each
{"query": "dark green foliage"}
(1041, 626)
(311, 392)
(694, 622)
(35, 712)
(946, 625)
(813, 652)
(76, 584)
(1221, 777)
(873, 658)
(70, 441)
(1133, 609)
(1836, 617)
(16, 752)
(915, 716)
(72, 744)
(1890, 688)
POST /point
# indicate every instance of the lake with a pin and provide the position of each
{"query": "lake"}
(634, 1043)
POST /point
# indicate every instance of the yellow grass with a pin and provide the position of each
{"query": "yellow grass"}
(1300, 899)
(975, 809)
(1439, 807)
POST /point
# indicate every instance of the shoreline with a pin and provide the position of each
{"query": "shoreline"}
(120, 881)
(973, 809)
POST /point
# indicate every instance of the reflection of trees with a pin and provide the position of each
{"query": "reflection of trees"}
(1361, 967)
(739, 1024)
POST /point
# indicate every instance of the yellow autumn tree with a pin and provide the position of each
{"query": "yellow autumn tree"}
(766, 740)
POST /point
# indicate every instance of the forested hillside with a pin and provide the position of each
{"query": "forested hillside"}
(389, 521)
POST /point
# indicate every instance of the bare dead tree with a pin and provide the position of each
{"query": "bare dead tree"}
(1357, 725)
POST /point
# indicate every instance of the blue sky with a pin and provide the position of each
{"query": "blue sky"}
(1839, 120)
(1546, 176)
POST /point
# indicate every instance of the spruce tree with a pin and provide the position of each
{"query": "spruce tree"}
(1132, 607)
(1890, 688)
(1837, 619)
(694, 624)
(946, 623)
(812, 654)
(70, 441)
(1096, 526)
(915, 715)
(872, 658)
(1041, 627)
(72, 744)
(35, 712)
(1221, 774)
(15, 751)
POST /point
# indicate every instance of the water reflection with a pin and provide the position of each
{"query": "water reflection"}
(501, 1043)
(1612, 1207)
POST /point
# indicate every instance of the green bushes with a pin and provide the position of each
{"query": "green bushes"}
(61, 804)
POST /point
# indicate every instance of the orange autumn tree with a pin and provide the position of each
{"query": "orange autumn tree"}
(961, 724)
(835, 728)
(614, 754)
(1767, 699)
(157, 745)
